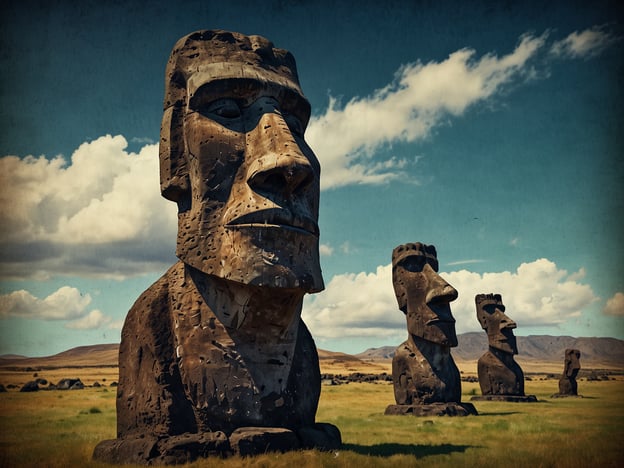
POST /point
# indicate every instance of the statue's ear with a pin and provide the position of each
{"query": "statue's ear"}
(174, 178)
(400, 293)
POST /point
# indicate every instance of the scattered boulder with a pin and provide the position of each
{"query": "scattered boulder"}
(2, 389)
(31, 386)
(70, 384)
(97, 384)
(252, 440)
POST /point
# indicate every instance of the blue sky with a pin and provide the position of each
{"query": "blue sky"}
(491, 130)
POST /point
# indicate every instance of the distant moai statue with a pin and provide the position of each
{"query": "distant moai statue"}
(426, 379)
(568, 386)
(500, 376)
(214, 357)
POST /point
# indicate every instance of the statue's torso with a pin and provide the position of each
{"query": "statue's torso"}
(500, 376)
(178, 358)
(423, 376)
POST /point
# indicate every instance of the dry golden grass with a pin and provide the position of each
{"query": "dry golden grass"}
(88, 375)
(61, 428)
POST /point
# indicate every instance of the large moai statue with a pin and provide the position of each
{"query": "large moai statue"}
(214, 356)
(426, 379)
(568, 386)
(500, 376)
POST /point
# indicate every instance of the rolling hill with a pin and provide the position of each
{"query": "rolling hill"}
(595, 352)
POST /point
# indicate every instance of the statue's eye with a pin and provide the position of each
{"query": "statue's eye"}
(415, 263)
(224, 108)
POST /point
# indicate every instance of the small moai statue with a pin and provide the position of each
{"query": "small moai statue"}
(568, 386)
(425, 377)
(214, 357)
(500, 376)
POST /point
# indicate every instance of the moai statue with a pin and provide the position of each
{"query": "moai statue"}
(426, 379)
(214, 356)
(571, 367)
(500, 376)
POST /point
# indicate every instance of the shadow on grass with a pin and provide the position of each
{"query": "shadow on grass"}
(501, 413)
(419, 451)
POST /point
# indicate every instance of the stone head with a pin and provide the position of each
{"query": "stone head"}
(422, 294)
(499, 327)
(234, 159)
(572, 363)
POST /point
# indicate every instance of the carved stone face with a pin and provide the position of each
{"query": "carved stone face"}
(572, 364)
(246, 182)
(422, 294)
(499, 327)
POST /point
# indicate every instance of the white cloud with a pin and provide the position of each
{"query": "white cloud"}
(363, 305)
(326, 250)
(100, 214)
(115, 325)
(420, 98)
(615, 305)
(104, 195)
(95, 319)
(465, 262)
(356, 305)
(583, 44)
(64, 304)
(536, 294)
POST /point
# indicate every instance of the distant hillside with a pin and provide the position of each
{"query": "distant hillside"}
(594, 351)
(83, 356)
(107, 355)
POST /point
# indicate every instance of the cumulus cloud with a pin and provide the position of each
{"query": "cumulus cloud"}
(538, 293)
(583, 44)
(615, 305)
(356, 305)
(64, 304)
(99, 214)
(94, 319)
(420, 98)
(363, 305)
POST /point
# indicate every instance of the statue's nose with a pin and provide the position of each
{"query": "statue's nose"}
(281, 167)
(440, 291)
(506, 322)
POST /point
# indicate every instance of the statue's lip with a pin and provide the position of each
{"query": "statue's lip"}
(275, 217)
(434, 321)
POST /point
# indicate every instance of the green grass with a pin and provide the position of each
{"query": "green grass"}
(59, 429)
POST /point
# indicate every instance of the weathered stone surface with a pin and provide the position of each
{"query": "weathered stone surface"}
(127, 450)
(252, 440)
(423, 370)
(571, 367)
(499, 373)
(217, 343)
(322, 436)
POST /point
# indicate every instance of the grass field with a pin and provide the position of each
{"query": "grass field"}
(61, 428)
